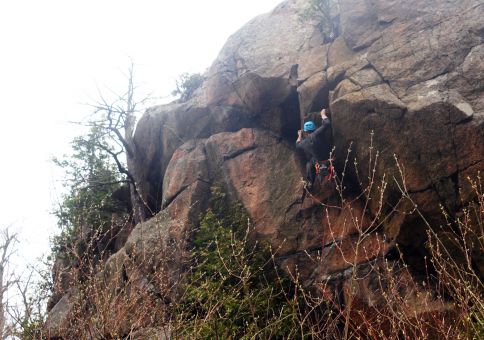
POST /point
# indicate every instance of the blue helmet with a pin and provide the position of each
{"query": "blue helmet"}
(309, 126)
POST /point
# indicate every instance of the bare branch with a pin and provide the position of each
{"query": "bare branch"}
(7, 249)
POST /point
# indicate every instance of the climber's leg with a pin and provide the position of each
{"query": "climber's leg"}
(310, 172)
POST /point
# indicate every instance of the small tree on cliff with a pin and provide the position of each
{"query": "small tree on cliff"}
(187, 84)
(324, 12)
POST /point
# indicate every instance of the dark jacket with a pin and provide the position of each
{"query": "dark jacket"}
(319, 143)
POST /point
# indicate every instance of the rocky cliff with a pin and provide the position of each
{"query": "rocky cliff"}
(404, 83)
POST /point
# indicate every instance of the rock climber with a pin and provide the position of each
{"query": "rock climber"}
(318, 142)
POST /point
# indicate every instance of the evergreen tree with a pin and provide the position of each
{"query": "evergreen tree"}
(91, 179)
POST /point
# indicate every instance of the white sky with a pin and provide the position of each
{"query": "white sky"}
(53, 54)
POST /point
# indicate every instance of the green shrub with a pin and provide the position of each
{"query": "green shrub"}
(325, 13)
(187, 85)
(234, 290)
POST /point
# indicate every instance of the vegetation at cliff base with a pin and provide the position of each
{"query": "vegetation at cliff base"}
(234, 290)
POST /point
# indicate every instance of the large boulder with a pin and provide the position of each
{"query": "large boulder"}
(256, 167)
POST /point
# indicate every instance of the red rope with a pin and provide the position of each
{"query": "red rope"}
(331, 169)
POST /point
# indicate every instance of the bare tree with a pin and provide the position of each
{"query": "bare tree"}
(27, 315)
(7, 278)
(117, 120)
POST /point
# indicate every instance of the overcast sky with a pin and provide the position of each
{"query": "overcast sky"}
(54, 55)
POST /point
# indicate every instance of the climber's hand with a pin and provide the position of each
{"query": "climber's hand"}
(323, 114)
(299, 133)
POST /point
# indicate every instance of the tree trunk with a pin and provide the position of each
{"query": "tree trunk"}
(138, 196)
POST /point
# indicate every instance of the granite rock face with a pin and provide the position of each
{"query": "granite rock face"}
(404, 79)
(411, 72)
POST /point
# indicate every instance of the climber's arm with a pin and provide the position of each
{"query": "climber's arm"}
(299, 136)
(325, 124)
(307, 142)
(304, 143)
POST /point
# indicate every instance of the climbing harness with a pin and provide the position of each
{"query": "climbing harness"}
(324, 169)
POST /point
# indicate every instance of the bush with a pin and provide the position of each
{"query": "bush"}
(187, 84)
(233, 289)
(325, 14)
